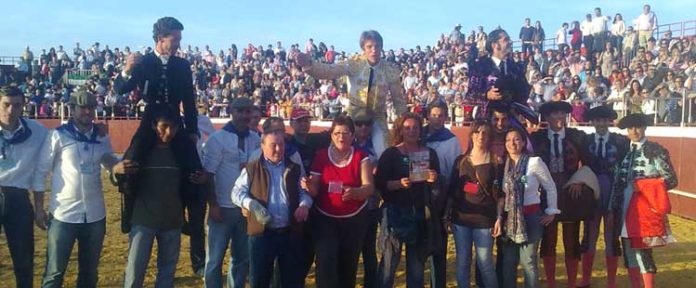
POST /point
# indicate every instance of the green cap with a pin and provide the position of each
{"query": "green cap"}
(83, 98)
(242, 103)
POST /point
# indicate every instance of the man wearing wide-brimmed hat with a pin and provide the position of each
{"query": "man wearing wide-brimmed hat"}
(604, 150)
(563, 150)
(639, 202)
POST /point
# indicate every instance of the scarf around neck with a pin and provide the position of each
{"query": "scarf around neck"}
(513, 185)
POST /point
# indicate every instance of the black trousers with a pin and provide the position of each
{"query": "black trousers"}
(369, 249)
(195, 212)
(17, 217)
(338, 242)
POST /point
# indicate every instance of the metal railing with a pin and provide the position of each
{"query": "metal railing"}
(467, 116)
(9, 60)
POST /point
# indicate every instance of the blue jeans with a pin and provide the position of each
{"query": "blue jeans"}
(391, 246)
(140, 240)
(482, 240)
(61, 239)
(17, 217)
(525, 254)
(232, 228)
(269, 248)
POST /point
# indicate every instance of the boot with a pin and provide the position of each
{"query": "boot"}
(648, 280)
(634, 276)
(550, 271)
(572, 270)
(612, 264)
(587, 262)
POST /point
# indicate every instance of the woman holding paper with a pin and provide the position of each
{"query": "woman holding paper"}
(341, 181)
(407, 177)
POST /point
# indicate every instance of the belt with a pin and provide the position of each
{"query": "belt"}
(276, 231)
(7, 189)
(531, 209)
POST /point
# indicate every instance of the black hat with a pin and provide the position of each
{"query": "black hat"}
(553, 106)
(634, 120)
(601, 112)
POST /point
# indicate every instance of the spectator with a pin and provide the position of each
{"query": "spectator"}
(527, 36)
(587, 35)
(539, 36)
(645, 24)
(562, 37)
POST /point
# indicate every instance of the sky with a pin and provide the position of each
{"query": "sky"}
(220, 23)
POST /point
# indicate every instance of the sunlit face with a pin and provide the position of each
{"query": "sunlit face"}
(166, 130)
(363, 130)
(514, 143)
(242, 116)
(170, 43)
(273, 147)
(254, 119)
(84, 115)
(480, 137)
(602, 125)
(437, 118)
(556, 120)
(411, 130)
(342, 137)
(10, 109)
(500, 121)
(372, 50)
(503, 44)
(636, 133)
(301, 126)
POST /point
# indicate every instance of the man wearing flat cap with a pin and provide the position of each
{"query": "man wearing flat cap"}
(73, 154)
(639, 203)
(563, 149)
(21, 140)
(225, 154)
(604, 150)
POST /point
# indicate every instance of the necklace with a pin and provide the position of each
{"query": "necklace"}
(337, 156)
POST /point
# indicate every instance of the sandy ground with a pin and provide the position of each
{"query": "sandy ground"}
(676, 263)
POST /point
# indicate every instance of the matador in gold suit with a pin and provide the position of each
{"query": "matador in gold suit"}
(368, 87)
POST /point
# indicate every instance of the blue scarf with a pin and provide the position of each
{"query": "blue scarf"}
(368, 147)
(72, 132)
(229, 127)
(290, 149)
(22, 135)
(442, 134)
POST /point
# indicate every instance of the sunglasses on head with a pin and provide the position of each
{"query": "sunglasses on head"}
(363, 123)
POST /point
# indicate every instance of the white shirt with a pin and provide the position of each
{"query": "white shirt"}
(222, 157)
(538, 175)
(19, 166)
(586, 28)
(562, 36)
(561, 136)
(646, 22)
(604, 137)
(76, 186)
(599, 24)
(206, 127)
(618, 29)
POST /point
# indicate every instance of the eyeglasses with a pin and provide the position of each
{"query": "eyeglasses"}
(363, 123)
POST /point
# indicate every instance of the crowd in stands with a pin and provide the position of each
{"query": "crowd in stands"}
(600, 60)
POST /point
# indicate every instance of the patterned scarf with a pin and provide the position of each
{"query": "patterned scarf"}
(513, 185)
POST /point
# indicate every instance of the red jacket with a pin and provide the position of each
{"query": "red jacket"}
(646, 217)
